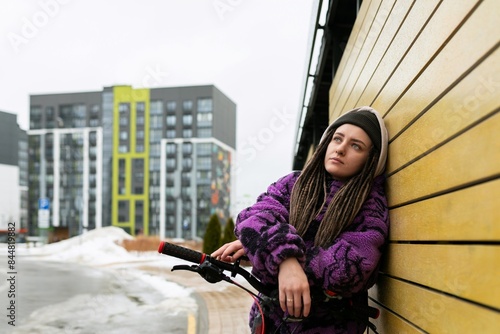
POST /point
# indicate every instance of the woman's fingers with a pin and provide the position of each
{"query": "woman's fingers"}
(296, 309)
(239, 253)
(229, 252)
(296, 306)
(219, 251)
(306, 301)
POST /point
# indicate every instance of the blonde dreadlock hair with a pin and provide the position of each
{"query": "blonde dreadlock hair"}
(311, 186)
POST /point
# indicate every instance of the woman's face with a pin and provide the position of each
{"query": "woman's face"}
(347, 152)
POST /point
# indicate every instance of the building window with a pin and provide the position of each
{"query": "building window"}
(204, 163)
(204, 119)
(80, 111)
(187, 105)
(123, 211)
(187, 163)
(171, 106)
(155, 122)
(205, 133)
(138, 176)
(170, 163)
(140, 107)
(154, 150)
(170, 180)
(204, 149)
(205, 105)
(78, 123)
(170, 206)
(139, 212)
(36, 111)
(92, 152)
(187, 133)
(187, 120)
(49, 117)
(171, 148)
(186, 193)
(140, 134)
(186, 178)
(187, 148)
(154, 164)
(156, 107)
(123, 135)
(170, 120)
(123, 149)
(124, 107)
(155, 135)
(121, 176)
(203, 175)
(170, 134)
(187, 205)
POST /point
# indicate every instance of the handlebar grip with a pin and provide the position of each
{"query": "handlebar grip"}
(181, 252)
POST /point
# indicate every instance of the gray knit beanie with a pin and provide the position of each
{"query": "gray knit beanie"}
(372, 123)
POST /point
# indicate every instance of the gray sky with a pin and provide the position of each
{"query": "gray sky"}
(253, 51)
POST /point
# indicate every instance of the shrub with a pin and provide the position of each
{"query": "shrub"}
(228, 235)
(211, 240)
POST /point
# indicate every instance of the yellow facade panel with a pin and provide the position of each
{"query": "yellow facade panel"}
(126, 94)
(472, 156)
(389, 20)
(458, 56)
(473, 98)
(431, 311)
(360, 50)
(365, 14)
(412, 25)
(392, 323)
(456, 216)
(447, 18)
(454, 269)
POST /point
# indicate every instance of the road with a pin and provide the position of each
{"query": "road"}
(64, 298)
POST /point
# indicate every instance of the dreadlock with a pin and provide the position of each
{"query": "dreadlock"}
(345, 205)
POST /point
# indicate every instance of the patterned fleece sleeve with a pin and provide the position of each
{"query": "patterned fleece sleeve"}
(349, 265)
(265, 233)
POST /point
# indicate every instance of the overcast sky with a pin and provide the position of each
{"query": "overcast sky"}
(254, 51)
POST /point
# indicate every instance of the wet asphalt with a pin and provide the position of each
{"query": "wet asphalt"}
(64, 298)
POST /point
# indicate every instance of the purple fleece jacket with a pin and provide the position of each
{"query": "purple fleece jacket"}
(348, 267)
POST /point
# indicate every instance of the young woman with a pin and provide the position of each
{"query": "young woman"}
(317, 235)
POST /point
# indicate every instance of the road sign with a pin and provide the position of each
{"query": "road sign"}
(43, 204)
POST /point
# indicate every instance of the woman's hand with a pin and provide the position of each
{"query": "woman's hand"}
(294, 294)
(229, 252)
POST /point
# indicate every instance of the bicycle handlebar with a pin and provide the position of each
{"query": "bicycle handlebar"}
(202, 259)
(199, 258)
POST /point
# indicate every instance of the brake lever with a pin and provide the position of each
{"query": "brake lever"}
(207, 270)
(185, 267)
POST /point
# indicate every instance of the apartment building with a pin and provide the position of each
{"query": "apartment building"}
(152, 161)
(13, 174)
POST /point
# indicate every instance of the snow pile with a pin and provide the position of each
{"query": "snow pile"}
(96, 247)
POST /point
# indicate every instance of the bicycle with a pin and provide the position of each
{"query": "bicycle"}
(212, 271)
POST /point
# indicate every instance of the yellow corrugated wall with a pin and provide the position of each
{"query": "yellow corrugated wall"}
(432, 68)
